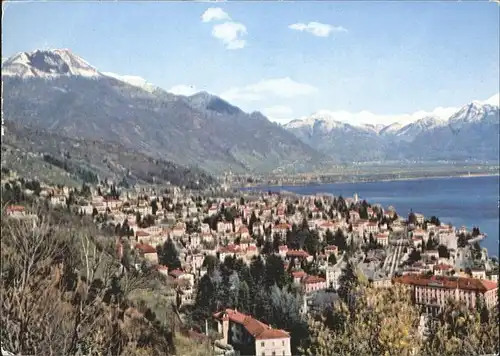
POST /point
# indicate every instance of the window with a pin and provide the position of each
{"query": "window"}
(263, 354)
(274, 353)
(262, 344)
(283, 343)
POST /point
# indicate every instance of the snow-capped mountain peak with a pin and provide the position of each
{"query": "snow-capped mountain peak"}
(424, 124)
(48, 64)
(476, 111)
(133, 80)
(323, 120)
(391, 129)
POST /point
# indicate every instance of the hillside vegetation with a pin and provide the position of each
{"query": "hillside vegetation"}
(35, 152)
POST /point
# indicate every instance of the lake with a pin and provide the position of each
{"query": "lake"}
(471, 201)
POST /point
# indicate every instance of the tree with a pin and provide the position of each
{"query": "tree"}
(329, 238)
(204, 300)
(169, 256)
(462, 240)
(210, 263)
(412, 218)
(443, 251)
(339, 240)
(332, 260)
(257, 269)
(363, 213)
(244, 300)
(431, 244)
(348, 281)
(267, 248)
(460, 331)
(62, 295)
(414, 256)
(385, 323)
(311, 243)
(275, 273)
(154, 206)
(435, 221)
(252, 221)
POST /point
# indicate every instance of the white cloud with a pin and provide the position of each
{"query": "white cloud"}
(214, 14)
(230, 34)
(183, 89)
(317, 29)
(494, 100)
(279, 87)
(278, 113)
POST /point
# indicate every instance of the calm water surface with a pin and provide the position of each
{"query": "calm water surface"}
(469, 201)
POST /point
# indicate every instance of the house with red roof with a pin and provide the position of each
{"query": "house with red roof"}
(15, 210)
(251, 337)
(298, 254)
(148, 252)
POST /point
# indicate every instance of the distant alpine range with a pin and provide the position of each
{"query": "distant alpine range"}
(59, 92)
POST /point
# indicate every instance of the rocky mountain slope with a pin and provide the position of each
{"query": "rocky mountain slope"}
(472, 133)
(58, 91)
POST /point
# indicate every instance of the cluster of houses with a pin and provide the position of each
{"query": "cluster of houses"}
(172, 215)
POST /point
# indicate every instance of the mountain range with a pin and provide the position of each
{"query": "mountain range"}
(57, 91)
(471, 133)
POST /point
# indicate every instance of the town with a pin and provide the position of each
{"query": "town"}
(223, 254)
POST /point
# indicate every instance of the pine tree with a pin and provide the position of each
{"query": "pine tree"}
(169, 256)
(244, 301)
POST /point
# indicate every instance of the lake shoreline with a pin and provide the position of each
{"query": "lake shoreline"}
(477, 175)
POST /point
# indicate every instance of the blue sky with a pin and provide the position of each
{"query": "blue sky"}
(363, 61)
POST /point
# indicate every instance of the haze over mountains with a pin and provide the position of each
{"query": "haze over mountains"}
(59, 91)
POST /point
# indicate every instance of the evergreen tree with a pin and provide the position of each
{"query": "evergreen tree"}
(169, 256)
(204, 300)
(348, 280)
(339, 240)
(363, 213)
(154, 206)
(257, 269)
(329, 238)
(267, 248)
(462, 240)
(210, 263)
(244, 301)
(311, 243)
(332, 260)
(275, 272)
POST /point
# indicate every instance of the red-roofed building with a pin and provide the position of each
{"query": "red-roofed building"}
(298, 275)
(434, 291)
(299, 254)
(15, 210)
(250, 336)
(148, 252)
(382, 239)
(331, 250)
(313, 283)
(442, 269)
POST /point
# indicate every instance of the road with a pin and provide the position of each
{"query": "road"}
(396, 257)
